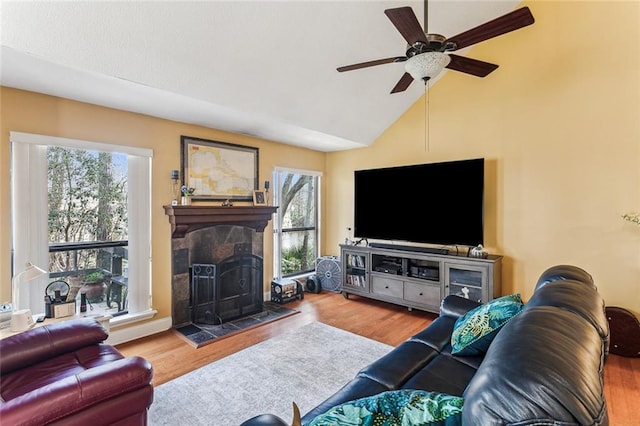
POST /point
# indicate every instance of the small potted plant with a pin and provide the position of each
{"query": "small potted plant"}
(187, 192)
(93, 285)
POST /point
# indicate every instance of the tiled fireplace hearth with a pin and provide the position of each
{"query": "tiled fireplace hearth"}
(214, 235)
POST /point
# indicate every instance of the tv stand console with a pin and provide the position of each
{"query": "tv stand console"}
(409, 276)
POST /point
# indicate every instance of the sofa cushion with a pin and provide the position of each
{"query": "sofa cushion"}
(399, 365)
(403, 407)
(437, 335)
(474, 332)
(444, 374)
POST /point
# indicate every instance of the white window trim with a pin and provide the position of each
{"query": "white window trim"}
(30, 229)
(30, 233)
(299, 171)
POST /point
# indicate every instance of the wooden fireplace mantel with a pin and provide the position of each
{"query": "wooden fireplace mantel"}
(185, 219)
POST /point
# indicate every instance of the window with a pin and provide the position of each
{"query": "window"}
(87, 223)
(297, 234)
(82, 210)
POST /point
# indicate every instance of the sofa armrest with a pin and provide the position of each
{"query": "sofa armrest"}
(265, 420)
(74, 393)
(456, 306)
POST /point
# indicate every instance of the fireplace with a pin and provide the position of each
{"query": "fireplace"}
(226, 291)
(227, 240)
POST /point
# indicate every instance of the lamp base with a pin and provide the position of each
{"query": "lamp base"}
(21, 320)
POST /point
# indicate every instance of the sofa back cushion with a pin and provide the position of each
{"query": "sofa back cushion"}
(46, 342)
(563, 272)
(544, 366)
(580, 298)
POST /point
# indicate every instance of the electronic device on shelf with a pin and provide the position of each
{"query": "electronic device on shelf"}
(56, 303)
(403, 247)
(285, 290)
(389, 268)
(425, 272)
(452, 215)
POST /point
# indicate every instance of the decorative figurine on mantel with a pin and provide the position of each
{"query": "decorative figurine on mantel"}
(227, 203)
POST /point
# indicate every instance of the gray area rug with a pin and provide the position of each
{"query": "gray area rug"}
(305, 365)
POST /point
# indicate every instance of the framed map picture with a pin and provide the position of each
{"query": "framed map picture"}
(219, 170)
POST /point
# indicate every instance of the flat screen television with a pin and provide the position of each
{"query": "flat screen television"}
(436, 203)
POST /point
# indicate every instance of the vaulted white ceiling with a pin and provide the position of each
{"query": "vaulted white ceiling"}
(262, 68)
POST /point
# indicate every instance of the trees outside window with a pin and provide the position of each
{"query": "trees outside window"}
(87, 201)
(87, 223)
(296, 230)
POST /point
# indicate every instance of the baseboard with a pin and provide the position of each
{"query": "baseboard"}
(127, 334)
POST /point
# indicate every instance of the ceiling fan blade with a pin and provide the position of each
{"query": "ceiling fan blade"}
(372, 63)
(403, 83)
(407, 24)
(470, 66)
(511, 21)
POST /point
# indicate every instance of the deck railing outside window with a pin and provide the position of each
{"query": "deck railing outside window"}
(97, 269)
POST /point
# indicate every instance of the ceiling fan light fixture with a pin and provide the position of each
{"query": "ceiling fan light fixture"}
(426, 65)
(425, 55)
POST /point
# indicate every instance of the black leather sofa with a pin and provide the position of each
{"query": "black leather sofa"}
(544, 367)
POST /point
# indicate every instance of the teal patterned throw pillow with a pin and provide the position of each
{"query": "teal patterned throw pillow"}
(474, 332)
(396, 408)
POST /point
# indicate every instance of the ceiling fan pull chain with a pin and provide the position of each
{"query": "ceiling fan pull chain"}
(427, 125)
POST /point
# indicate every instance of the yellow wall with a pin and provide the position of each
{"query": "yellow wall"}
(35, 113)
(559, 126)
(558, 123)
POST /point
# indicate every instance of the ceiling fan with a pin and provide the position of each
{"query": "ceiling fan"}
(427, 54)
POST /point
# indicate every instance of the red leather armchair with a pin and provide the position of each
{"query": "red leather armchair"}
(64, 373)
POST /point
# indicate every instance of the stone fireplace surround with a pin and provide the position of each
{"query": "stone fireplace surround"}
(210, 234)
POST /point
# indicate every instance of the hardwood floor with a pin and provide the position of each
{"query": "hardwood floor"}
(172, 357)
